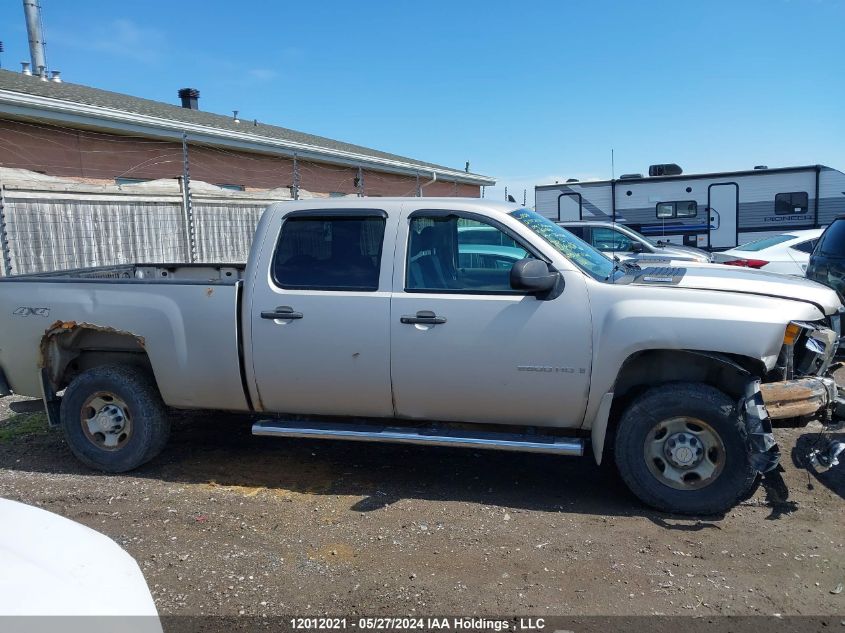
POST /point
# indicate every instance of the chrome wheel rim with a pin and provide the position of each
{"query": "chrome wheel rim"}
(106, 421)
(684, 453)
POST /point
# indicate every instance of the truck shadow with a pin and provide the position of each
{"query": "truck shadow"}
(216, 451)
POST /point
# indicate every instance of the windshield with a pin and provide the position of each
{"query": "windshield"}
(766, 242)
(573, 248)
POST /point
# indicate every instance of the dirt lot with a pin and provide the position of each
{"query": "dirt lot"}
(224, 523)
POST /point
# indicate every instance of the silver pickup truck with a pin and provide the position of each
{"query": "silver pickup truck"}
(379, 320)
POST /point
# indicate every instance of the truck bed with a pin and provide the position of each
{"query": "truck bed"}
(184, 317)
(199, 273)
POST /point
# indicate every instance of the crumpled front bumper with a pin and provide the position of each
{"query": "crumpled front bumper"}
(802, 397)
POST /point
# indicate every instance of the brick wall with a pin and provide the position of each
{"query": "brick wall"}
(96, 157)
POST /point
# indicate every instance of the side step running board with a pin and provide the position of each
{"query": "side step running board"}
(421, 435)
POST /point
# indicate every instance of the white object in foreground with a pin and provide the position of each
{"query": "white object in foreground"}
(54, 566)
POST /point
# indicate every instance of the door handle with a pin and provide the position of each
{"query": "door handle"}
(282, 312)
(425, 317)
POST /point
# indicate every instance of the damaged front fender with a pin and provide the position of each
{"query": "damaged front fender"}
(763, 451)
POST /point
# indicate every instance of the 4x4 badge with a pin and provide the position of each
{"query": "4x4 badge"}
(25, 312)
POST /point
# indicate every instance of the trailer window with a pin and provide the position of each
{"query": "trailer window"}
(679, 209)
(329, 253)
(793, 202)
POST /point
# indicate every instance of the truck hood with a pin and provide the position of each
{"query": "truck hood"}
(741, 280)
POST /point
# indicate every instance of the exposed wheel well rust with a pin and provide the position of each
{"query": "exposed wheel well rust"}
(70, 347)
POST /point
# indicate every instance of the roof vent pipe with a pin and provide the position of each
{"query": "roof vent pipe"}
(57, 77)
(190, 98)
(26, 69)
(235, 116)
(32, 12)
(42, 73)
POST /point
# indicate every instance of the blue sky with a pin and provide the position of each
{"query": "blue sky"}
(528, 92)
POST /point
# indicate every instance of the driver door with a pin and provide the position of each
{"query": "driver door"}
(465, 347)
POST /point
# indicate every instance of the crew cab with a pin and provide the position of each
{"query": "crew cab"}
(364, 319)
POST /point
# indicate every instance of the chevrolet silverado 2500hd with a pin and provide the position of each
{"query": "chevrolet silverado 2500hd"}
(370, 319)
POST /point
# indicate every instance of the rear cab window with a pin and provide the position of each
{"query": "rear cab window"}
(331, 251)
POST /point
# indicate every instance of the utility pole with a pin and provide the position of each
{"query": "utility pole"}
(32, 12)
(506, 193)
(360, 180)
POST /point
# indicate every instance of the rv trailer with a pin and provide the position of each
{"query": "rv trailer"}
(715, 211)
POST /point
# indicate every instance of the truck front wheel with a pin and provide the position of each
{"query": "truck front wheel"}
(681, 448)
(113, 418)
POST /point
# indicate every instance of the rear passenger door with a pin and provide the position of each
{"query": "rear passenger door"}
(320, 315)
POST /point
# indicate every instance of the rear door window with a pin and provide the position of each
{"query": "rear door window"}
(832, 241)
(329, 253)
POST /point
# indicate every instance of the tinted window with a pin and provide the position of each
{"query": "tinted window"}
(438, 260)
(680, 209)
(322, 253)
(665, 209)
(576, 230)
(471, 233)
(686, 209)
(805, 247)
(832, 241)
(794, 202)
(609, 240)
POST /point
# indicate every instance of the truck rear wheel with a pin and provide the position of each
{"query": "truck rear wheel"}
(681, 448)
(113, 418)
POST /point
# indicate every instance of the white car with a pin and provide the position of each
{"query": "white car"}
(52, 566)
(787, 253)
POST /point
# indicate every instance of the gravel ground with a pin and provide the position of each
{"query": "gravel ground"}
(225, 523)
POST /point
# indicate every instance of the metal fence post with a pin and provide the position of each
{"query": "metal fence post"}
(4, 236)
(187, 203)
(295, 178)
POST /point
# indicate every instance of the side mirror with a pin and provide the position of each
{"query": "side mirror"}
(533, 275)
(637, 247)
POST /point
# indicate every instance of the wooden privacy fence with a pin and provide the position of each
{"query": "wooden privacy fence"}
(47, 224)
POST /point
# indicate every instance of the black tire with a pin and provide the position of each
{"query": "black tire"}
(729, 483)
(150, 426)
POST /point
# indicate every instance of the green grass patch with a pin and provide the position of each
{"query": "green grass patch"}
(23, 425)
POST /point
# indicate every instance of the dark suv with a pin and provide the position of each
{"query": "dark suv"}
(827, 263)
